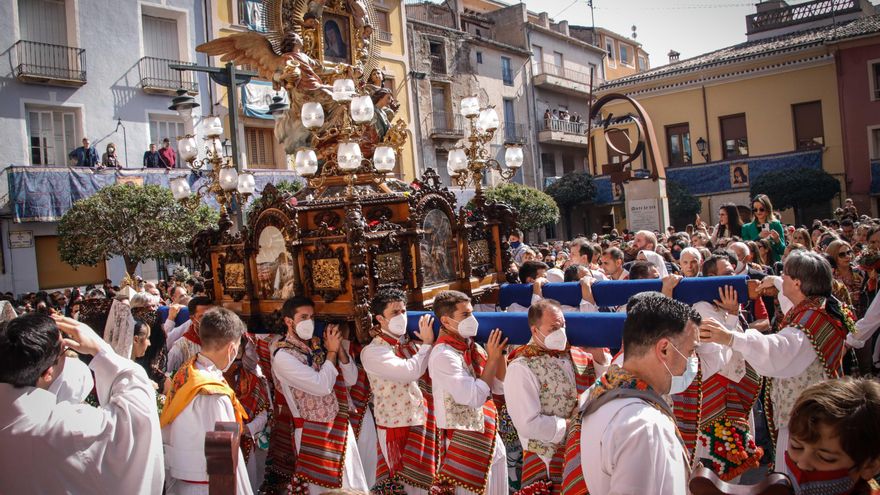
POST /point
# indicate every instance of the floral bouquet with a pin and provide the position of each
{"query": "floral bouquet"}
(869, 260)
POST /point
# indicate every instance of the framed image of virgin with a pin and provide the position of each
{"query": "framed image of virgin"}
(337, 38)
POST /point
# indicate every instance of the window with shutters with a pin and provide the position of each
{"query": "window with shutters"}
(734, 137)
(678, 138)
(44, 21)
(52, 135)
(164, 127)
(624, 54)
(548, 165)
(609, 47)
(874, 75)
(260, 147)
(808, 129)
(160, 38)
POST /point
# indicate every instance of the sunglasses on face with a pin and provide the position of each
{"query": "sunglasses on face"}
(760, 208)
(844, 254)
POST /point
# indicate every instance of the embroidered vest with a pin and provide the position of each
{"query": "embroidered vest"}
(557, 394)
(317, 408)
(396, 404)
(460, 416)
(785, 391)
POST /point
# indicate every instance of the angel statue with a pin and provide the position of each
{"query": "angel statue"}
(294, 70)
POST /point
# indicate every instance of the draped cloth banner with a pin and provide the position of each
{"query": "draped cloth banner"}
(617, 292)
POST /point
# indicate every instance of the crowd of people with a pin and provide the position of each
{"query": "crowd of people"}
(87, 156)
(784, 382)
(561, 114)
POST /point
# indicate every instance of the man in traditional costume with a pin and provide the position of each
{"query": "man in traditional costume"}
(629, 441)
(722, 397)
(808, 349)
(247, 380)
(463, 378)
(48, 446)
(545, 379)
(189, 343)
(402, 402)
(199, 398)
(313, 377)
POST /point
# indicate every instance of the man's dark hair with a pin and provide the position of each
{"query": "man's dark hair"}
(197, 301)
(571, 274)
(219, 327)
(651, 316)
(518, 233)
(615, 253)
(198, 288)
(731, 256)
(584, 247)
(385, 297)
(536, 311)
(846, 222)
(710, 266)
(294, 303)
(640, 270)
(530, 269)
(29, 344)
(446, 301)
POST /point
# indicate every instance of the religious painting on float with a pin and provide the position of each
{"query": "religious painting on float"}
(739, 175)
(276, 272)
(337, 38)
(438, 248)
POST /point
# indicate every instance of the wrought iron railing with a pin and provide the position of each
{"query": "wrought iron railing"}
(564, 126)
(515, 132)
(447, 123)
(796, 14)
(438, 64)
(384, 36)
(45, 60)
(430, 13)
(156, 74)
(564, 73)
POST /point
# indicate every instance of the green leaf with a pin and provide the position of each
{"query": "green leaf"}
(796, 188)
(683, 206)
(573, 189)
(536, 208)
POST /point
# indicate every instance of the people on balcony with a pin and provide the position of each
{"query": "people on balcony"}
(109, 159)
(84, 156)
(152, 158)
(168, 155)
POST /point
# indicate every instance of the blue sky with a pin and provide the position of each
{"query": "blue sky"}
(690, 27)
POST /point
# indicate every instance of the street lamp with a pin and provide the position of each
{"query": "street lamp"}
(469, 162)
(703, 148)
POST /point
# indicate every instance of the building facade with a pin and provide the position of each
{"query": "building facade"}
(71, 73)
(724, 118)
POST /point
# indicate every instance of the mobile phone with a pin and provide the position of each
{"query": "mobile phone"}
(766, 226)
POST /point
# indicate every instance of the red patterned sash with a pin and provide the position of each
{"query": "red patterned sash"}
(412, 450)
(687, 407)
(360, 392)
(281, 456)
(467, 459)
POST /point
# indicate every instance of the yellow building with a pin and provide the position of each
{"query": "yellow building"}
(764, 105)
(260, 149)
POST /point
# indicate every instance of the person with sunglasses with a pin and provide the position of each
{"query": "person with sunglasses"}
(765, 226)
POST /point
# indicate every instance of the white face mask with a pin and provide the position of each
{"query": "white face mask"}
(556, 340)
(467, 327)
(305, 329)
(397, 325)
(680, 383)
(231, 360)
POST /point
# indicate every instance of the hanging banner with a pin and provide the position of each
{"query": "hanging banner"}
(256, 96)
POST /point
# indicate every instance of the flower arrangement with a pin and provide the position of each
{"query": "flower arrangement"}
(869, 260)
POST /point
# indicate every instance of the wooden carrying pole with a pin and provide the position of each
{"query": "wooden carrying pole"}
(221, 453)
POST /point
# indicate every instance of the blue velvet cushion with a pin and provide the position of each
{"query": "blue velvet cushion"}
(617, 292)
(182, 315)
(583, 329)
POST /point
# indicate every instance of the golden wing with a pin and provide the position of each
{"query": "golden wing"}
(248, 48)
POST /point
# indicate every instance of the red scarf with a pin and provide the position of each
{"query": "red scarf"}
(192, 334)
(467, 459)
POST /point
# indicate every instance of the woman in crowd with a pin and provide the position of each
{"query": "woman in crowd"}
(802, 236)
(109, 159)
(765, 226)
(729, 223)
(840, 255)
(763, 253)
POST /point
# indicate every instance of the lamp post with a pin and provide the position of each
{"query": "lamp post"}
(470, 162)
(703, 148)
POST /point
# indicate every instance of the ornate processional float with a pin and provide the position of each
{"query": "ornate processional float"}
(352, 230)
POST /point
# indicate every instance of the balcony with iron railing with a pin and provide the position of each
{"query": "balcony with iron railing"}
(801, 13)
(158, 78)
(447, 126)
(430, 13)
(438, 65)
(514, 132)
(384, 36)
(45, 63)
(562, 79)
(564, 132)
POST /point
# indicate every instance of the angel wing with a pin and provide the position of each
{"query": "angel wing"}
(248, 48)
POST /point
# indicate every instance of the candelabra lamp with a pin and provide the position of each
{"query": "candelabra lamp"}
(470, 161)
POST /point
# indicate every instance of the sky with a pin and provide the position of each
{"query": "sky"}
(690, 27)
